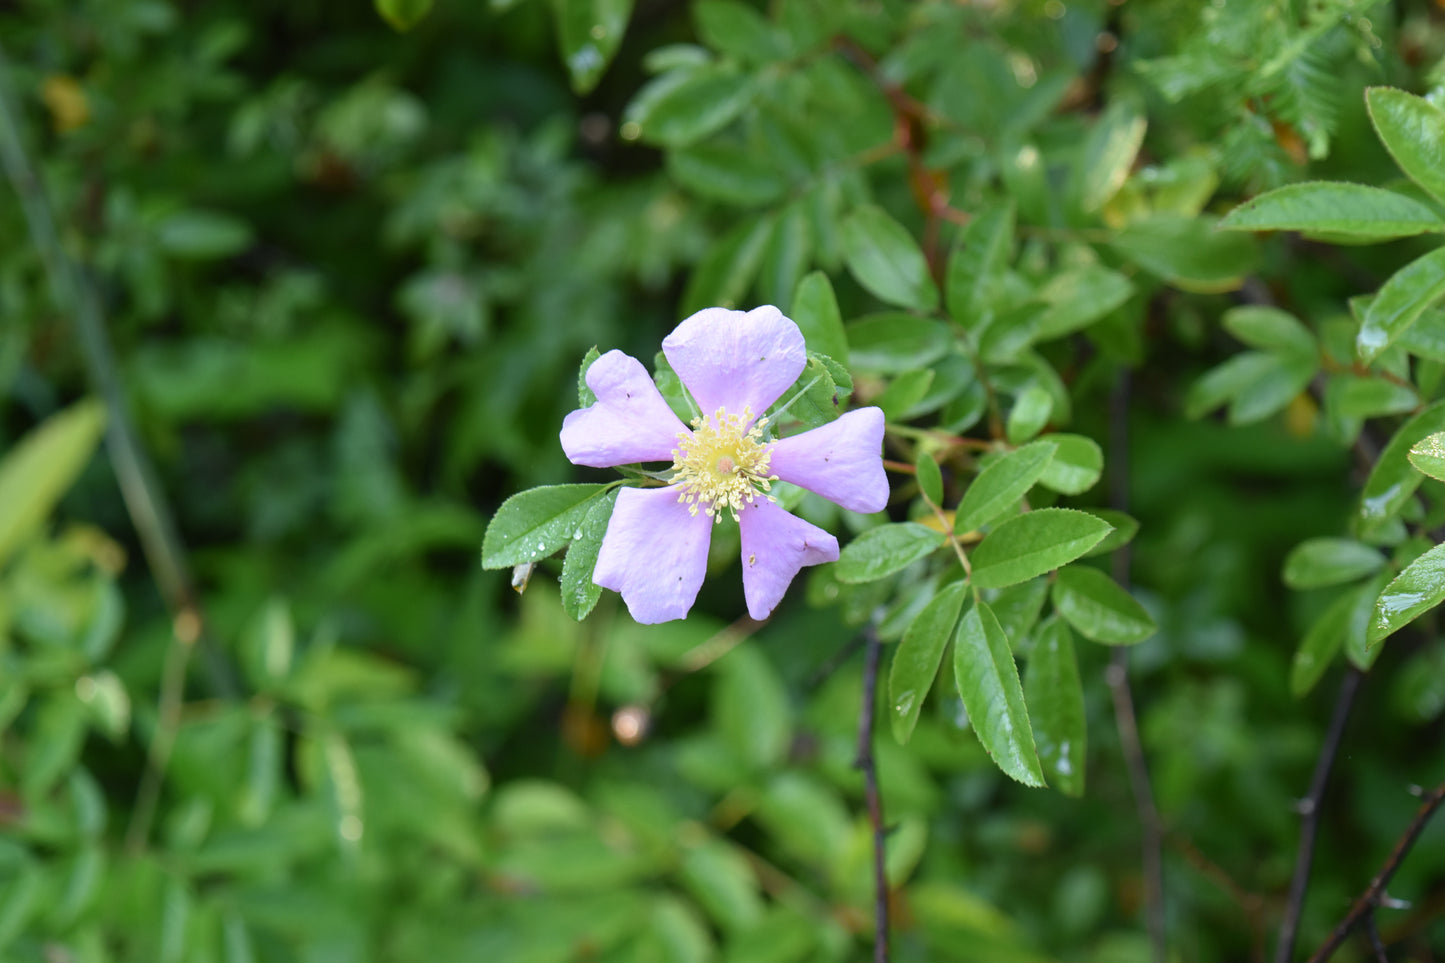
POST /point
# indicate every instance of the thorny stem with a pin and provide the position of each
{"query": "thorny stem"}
(1309, 808)
(874, 801)
(1363, 910)
(146, 503)
(1117, 675)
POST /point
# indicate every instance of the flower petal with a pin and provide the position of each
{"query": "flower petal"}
(736, 359)
(654, 553)
(842, 461)
(776, 545)
(628, 423)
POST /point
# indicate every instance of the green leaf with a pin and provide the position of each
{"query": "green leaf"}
(1317, 649)
(586, 397)
(42, 467)
(1034, 543)
(1393, 480)
(904, 392)
(1078, 298)
(1359, 649)
(930, 477)
(1335, 208)
(988, 682)
(1270, 329)
(1055, 696)
(1428, 455)
(1188, 252)
(579, 592)
(1401, 300)
(1001, 484)
(737, 30)
(815, 397)
(533, 524)
(1099, 608)
(1125, 528)
(751, 707)
(682, 107)
(915, 663)
(1109, 152)
(203, 235)
(815, 311)
(1320, 562)
(886, 259)
(977, 265)
(1416, 590)
(1029, 414)
(881, 551)
(723, 276)
(1360, 396)
(894, 342)
(727, 172)
(1413, 131)
(1076, 466)
(1256, 384)
(402, 15)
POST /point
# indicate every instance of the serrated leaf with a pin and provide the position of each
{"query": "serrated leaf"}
(988, 682)
(1360, 396)
(929, 476)
(42, 467)
(1428, 455)
(1055, 697)
(886, 259)
(533, 524)
(1188, 251)
(915, 663)
(1078, 298)
(579, 592)
(977, 265)
(1393, 480)
(726, 172)
(1413, 131)
(1320, 644)
(1077, 464)
(1029, 414)
(1320, 562)
(1109, 152)
(815, 398)
(1099, 608)
(738, 30)
(815, 311)
(682, 107)
(894, 342)
(1270, 329)
(1036, 542)
(1416, 590)
(724, 275)
(586, 397)
(1001, 484)
(1335, 208)
(1400, 301)
(882, 551)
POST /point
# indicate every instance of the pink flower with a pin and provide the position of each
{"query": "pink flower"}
(736, 365)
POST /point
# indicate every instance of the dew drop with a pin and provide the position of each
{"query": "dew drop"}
(577, 534)
(541, 546)
(904, 705)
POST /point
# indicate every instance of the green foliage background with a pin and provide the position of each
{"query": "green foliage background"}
(349, 260)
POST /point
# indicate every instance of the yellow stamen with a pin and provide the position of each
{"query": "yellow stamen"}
(718, 465)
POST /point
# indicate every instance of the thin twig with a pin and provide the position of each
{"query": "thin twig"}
(870, 792)
(145, 502)
(1373, 895)
(1309, 809)
(1151, 832)
(1376, 944)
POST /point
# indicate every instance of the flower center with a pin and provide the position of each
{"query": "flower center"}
(720, 466)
